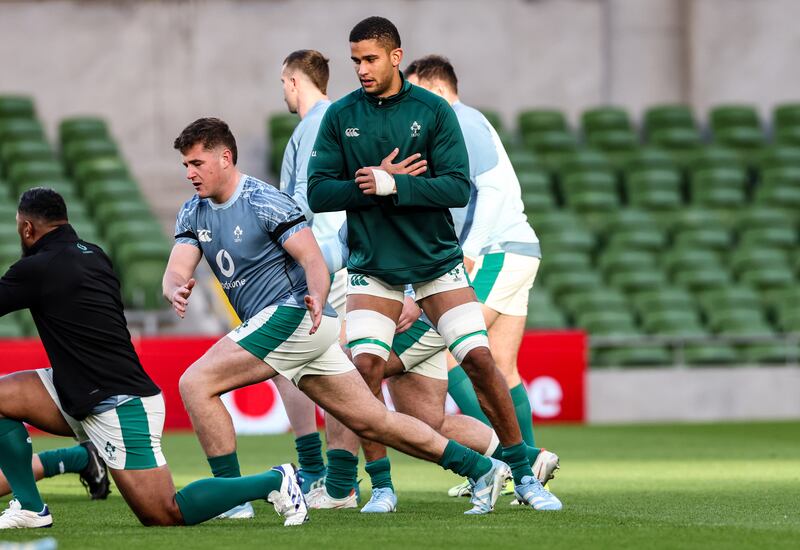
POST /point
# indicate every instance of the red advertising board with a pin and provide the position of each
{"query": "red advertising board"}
(552, 365)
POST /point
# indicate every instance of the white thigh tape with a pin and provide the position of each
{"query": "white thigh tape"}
(369, 332)
(463, 329)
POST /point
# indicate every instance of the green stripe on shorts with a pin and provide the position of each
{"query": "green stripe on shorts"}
(384, 345)
(462, 338)
(279, 327)
(487, 275)
(406, 339)
(136, 435)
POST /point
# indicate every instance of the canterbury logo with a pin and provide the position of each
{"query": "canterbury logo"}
(351, 132)
(358, 280)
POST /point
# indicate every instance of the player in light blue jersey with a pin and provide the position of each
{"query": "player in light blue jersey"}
(501, 249)
(304, 76)
(260, 247)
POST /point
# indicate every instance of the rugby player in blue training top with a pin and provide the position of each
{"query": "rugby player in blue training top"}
(259, 246)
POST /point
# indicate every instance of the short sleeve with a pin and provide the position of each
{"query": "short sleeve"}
(184, 231)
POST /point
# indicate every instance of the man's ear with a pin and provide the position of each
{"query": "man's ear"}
(396, 55)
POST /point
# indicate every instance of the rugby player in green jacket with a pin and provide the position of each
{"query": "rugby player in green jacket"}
(400, 230)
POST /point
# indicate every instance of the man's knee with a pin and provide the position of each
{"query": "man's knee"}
(370, 366)
(478, 361)
(191, 383)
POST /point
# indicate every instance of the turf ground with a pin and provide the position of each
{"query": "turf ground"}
(666, 486)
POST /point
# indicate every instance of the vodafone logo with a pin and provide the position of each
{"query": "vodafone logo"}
(546, 394)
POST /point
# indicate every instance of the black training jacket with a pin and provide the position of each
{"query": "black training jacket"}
(74, 297)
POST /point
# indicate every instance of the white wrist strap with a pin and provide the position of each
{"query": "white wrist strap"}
(384, 182)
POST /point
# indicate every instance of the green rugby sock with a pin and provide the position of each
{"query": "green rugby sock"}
(380, 473)
(66, 460)
(522, 406)
(225, 465)
(531, 452)
(459, 386)
(463, 461)
(517, 459)
(15, 462)
(342, 473)
(309, 453)
(207, 498)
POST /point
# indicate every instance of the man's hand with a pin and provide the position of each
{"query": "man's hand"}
(315, 309)
(469, 263)
(408, 316)
(180, 298)
(366, 180)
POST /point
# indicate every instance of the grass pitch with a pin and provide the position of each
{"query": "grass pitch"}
(665, 486)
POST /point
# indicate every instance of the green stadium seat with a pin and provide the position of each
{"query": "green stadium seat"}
(768, 277)
(758, 216)
(729, 297)
(523, 161)
(778, 156)
(654, 188)
(99, 168)
(18, 129)
(633, 356)
(559, 262)
(535, 180)
(614, 141)
(605, 118)
(79, 150)
(714, 156)
(630, 219)
(558, 221)
(82, 127)
(668, 116)
(786, 115)
(584, 160)
(17, 106)
(113, 190)
(673, 322)
(646, 238)
(740, 137)
(141, 285)
(648, 158)
(573, 239)
(780, 187)
(542, 313)
(107, 212)
(747, 258)
(769, 237)
(734, 116)
(594, 299)
(709, 354)
(788, 136)
(776, 354)
(571, 282)
(25, 172)
(608, 323)
(676, 139)
(679, 259)
(12, 152)
(552, 141)
(123, 231)
(788, 319)
(715, 238)
(702, 278)
(541, 120)
(590, 191)
(623, 259)
(663, 298)
(719, 187)
(637, 280)
(739, 322)
(128, 253)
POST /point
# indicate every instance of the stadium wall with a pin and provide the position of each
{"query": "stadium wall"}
(151, 67)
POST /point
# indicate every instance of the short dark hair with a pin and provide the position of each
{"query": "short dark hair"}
(434, 67)
(376, 28)
(209, 131)
(44, 204)
(312, 64)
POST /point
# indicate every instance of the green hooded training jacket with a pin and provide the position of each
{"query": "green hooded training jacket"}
(407, 237)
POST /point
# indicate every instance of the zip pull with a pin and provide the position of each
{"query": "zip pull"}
(380, 102)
